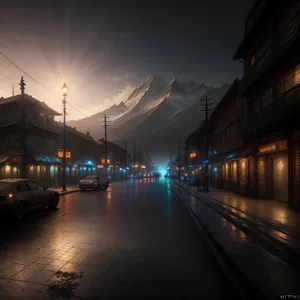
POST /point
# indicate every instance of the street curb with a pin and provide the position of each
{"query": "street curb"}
(246, 287)
(68, 192)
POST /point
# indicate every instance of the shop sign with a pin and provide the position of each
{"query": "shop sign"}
(16, 152)
(278, 146)
(103, 161)
(60, 153)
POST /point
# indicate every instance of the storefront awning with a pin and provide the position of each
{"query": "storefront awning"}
(4, 159)
(46, 158)
(86, 162)
(231, 155)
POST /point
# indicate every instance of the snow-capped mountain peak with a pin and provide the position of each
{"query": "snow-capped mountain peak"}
(155, 106)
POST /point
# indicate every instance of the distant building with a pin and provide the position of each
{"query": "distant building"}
(22, 120)
(225, 165)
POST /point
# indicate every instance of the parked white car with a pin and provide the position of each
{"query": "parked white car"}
(93, 182)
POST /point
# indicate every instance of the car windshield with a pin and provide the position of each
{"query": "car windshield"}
(91, 177)
(4, 186)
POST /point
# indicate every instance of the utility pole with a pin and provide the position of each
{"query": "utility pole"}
(23, 150)
(105, 145)
(134, 160)
(206, 107)
(179, 162)
(125, 143)
(140, 161)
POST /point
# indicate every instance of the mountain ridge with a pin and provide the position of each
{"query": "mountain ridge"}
(155, 113)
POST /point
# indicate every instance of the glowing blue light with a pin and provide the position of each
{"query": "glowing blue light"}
(127, 168)
(75, 165)
(90, 163)
(205, 162)
(230, 156)
(124, 170)
(215, 169)
(84, 168)
(121, 169)
(94, 168)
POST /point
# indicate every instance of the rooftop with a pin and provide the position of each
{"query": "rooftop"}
(31, 99)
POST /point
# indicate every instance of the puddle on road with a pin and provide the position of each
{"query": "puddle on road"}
(64, 285)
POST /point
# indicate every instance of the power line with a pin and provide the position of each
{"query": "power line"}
(14, 64)
(32, 78)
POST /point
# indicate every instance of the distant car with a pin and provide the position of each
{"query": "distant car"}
(23, 195)
(93, 182)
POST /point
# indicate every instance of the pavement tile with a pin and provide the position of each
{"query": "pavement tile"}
(68, 256)
(56, 254)
(28, 272)
(12, 270)
(12, 290)
(96, 269)
(79, 258)
(55, 265)
(69, 267)
(3, 282)
(44, 260)
(33, 292)
(41, 276)
(25, 259)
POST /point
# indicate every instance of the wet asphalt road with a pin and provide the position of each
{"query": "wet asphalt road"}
(136, 239)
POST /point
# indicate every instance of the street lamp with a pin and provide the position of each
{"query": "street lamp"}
(65, 89)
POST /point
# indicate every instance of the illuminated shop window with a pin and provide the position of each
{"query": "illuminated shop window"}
(261, 168)
(243, 171)
(52, 172)
(15, 172)
(227, 172)
(234, 171)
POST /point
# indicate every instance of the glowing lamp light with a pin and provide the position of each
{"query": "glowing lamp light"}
(65, 89)
(193, 154)
(136, 166)
(143, 167)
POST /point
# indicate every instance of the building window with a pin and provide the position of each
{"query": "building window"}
(291, 29)
(267, 97)
(243, 171)
(226, 171)
(255, 106)
(289, 80)
(234, 171)
(260, 53)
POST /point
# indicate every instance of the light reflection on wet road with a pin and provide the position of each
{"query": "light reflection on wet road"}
(135, 239)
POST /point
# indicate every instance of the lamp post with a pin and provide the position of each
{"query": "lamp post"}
(65, 89)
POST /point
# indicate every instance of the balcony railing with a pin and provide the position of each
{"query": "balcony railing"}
(286, 106)
(256, 73)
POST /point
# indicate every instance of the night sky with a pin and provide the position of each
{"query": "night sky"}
(102, 49)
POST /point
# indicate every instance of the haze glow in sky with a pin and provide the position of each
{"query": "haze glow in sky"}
(103, 49)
